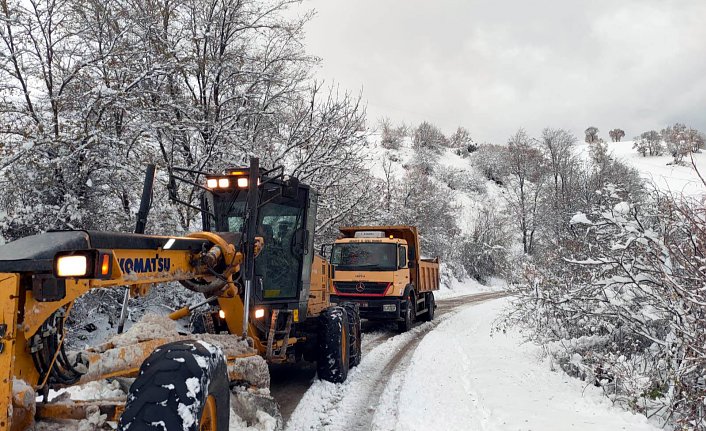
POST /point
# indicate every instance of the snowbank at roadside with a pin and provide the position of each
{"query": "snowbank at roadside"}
(463, 377)
(452, 287)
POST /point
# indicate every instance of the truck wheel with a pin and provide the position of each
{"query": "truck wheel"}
(356, 351)
(431, 305)
(333, 359)
(181, 386)
(409, 315)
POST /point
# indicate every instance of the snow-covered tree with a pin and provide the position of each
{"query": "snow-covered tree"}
(649, 142)
(680, 141)
(591, 135)
(527, 182)
(616, 134)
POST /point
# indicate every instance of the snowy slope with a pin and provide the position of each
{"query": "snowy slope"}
(464, 377)
(468, 202)
(655, 169)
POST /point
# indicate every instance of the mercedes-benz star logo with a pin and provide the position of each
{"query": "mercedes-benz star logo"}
(360, 287)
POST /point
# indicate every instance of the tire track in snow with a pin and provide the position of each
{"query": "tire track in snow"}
(353, 405)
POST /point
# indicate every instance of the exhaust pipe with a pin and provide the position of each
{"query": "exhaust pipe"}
(145, 204)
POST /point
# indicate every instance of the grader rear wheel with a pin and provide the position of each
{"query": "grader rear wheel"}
(181, 386)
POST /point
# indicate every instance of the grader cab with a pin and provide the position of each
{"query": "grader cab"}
(265, 299)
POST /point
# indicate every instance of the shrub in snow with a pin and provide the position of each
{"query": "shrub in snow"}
(461, 139)
(492, 162)
(391, 136)
(463, 180)
(484, 251)
(428, 136)
(623, 304)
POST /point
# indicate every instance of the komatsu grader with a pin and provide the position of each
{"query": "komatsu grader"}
(265, 300)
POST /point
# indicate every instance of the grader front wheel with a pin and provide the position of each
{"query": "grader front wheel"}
(333, 359)
(181, 386)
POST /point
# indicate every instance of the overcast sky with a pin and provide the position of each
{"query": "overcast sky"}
(495, 66)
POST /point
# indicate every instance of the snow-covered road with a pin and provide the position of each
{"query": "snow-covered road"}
(369, 390)
(453, 374)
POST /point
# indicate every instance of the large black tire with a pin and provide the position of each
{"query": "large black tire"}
(409, 314)
(333, 358)
(428, 316)
(355, 334)
(169, 394)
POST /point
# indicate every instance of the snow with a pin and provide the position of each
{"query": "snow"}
(462, 375)
(489, 380)
(657, 171)
(193, 387)
(97, 390)
(265, 422)
(580, 218)
(326, 406)
(149, 327)
(452, 287)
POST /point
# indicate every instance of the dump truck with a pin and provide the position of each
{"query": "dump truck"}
(265, 300)
(379, 268)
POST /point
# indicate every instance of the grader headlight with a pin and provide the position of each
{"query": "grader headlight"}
(243, 183)
(84, 264)
(72, 266)
(212, 183)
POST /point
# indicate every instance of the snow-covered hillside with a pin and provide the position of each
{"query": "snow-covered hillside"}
(458, 181)
(452, 173)
(659, 170)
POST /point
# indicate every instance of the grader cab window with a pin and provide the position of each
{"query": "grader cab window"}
(278, 265)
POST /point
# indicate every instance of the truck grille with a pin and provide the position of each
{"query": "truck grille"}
(361, 288)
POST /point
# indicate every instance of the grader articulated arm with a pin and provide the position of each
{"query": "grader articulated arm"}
(41, 277)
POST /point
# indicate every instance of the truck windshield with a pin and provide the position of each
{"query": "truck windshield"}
(364, 257)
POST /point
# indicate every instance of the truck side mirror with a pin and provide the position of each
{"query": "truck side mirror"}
(300, 242)
(259, 288)
(325, 251)
(402, 258)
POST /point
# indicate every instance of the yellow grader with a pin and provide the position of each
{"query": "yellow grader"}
(265, 300)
